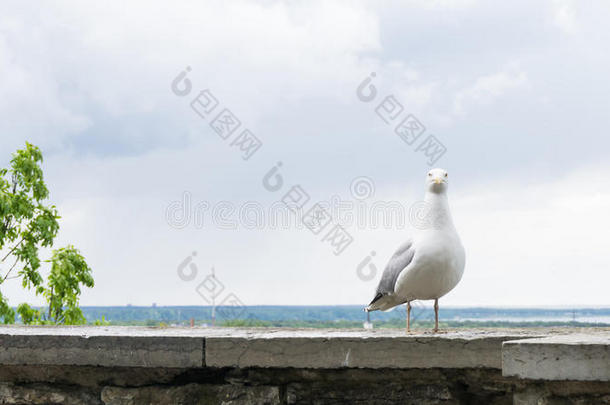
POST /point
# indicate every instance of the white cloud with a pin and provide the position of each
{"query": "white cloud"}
(536, 243)
(67, 66)
(488, 88)
(564, 15)
(29, 97)
(443, 4)
(528, 242)
(85, 80)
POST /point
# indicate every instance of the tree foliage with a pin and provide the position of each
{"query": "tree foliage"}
(28, 224)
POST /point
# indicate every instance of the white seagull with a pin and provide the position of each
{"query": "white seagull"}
(429, 264)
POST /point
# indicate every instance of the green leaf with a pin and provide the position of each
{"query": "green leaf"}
(27, 224)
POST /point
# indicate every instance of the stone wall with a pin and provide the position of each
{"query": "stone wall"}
(119, 366)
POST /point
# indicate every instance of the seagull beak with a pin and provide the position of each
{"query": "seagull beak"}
(438, 180)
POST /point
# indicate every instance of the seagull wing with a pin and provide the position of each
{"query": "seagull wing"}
(399, 261)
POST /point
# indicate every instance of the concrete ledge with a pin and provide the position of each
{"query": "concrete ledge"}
(529, 354)
(158, 366)
(568, 357)
(265, 348)
(91, 346)
(375, 349)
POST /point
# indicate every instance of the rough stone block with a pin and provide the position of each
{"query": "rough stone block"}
(46, 394)
(192, 394)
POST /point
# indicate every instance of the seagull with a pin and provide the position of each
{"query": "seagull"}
(430, 263)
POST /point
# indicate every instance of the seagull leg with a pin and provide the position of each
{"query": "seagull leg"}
(436, 315)
(408, 316)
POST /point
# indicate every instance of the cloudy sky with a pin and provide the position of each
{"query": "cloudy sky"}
(516, 92)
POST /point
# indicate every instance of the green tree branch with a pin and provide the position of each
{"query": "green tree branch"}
(26, 225)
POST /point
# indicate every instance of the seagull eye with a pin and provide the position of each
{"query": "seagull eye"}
(446, 175)
(429, 174)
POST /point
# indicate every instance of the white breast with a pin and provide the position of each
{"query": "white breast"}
(437, 266)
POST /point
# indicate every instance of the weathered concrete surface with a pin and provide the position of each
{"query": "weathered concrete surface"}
(140, 366)
(221, 347)
(538, 354)
(120, 347)
(466, 349)
(569, 357)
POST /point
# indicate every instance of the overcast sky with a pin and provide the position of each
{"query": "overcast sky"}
(517, 92)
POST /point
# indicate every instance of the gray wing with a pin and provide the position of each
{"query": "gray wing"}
(398, 262)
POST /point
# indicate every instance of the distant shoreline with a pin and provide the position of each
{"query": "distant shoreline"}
(351, 316)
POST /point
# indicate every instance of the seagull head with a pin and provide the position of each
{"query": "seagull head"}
(437, 180)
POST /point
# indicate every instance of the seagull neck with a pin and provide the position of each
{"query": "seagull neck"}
(438, 206)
